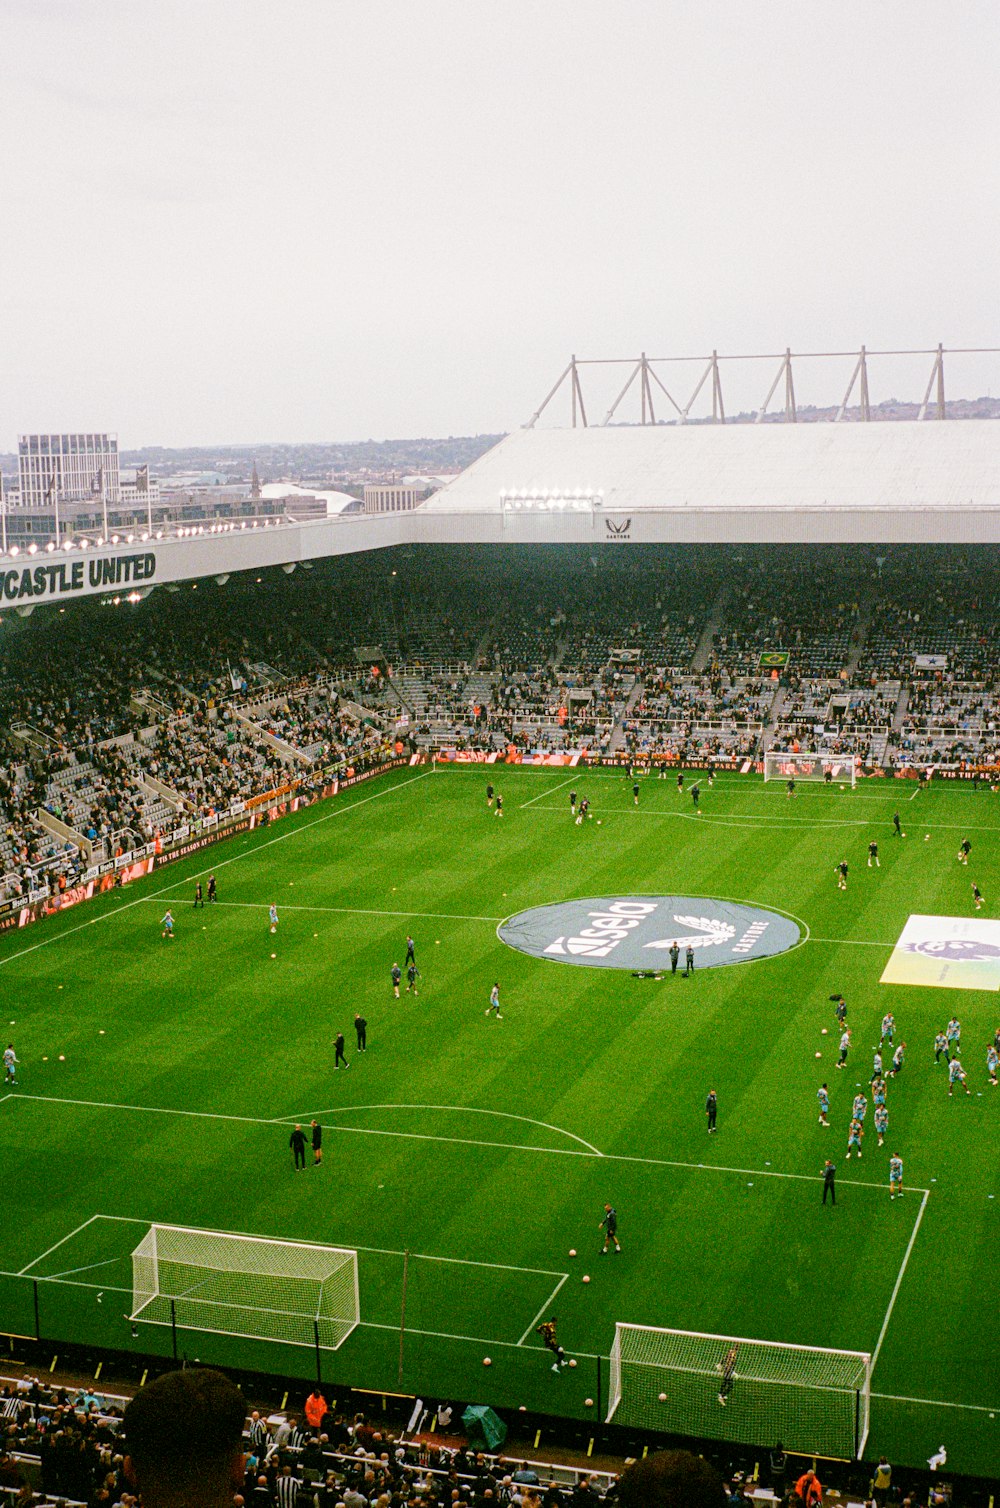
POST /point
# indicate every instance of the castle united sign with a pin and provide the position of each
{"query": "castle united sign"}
(637, 932)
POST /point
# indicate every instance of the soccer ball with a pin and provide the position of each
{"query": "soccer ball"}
(843, 788)
(819, 1055)
(588, 1403)
(824, 1032)
(572, 1362)
(273, 931)
(572, 1251)
(663, 1397)
(927, 837)
(586, 1277)
(487, 1362)
(598, 821)
(904, 835)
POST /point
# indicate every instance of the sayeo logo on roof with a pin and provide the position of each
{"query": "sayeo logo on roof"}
(632, 932)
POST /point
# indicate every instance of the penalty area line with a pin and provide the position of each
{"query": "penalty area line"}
(549, 791)
(546, 1306)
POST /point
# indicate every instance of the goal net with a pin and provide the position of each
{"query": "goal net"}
(782, 765)
(252, 1286)
(753, 1391)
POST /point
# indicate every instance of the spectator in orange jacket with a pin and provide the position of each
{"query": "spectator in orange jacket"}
(315, 1408)
(808, 1488)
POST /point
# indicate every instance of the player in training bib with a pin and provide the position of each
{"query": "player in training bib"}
(547, 1330)
(895, 1177)
(167, 923)
(854, 1136)
(494, 1004)
(823, 1095)
(272, 912)
(860, 1107)
(992, 1059)
(888, 1027)
(881, 1123)
(9, 1064)
(956, 1075)
(845, 1043)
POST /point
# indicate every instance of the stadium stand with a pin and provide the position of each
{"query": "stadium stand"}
(123, 723)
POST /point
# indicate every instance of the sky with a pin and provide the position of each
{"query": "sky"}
(235, 221)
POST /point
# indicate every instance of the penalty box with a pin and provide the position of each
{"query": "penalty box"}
(96, 1264)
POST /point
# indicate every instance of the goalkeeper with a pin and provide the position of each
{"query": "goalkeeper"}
(727, 1367)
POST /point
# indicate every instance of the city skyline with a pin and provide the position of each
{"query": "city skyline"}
(233, 221)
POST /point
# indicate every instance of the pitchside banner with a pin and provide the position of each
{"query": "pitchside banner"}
(946, 953)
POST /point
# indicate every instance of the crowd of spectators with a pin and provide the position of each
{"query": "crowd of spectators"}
(191, 1437)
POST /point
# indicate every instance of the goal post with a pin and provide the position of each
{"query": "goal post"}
(724, 1387)
(781, 764)
(253, 1286)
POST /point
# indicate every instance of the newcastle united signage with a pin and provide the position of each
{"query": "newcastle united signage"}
(53, 579)
(638, 931)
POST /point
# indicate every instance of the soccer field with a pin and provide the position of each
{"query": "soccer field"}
(159, 1082)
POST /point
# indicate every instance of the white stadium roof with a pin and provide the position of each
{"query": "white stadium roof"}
(947, 466)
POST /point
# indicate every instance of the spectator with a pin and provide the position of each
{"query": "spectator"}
(185, 1440)
(671, 1479)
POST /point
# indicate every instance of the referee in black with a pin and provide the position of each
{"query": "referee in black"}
(829, 1173)
(711, 1107)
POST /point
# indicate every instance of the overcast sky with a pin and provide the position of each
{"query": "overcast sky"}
(231, 220)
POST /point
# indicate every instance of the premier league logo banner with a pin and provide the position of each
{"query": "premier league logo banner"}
(946, 953)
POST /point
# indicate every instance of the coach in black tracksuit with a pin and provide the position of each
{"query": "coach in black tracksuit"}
(829, 1173)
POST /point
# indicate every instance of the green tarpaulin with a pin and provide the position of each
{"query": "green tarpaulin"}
(481, 1421)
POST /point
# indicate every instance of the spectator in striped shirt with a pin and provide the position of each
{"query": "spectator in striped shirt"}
(286, 1488)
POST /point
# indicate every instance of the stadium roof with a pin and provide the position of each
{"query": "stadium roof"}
(871, 469)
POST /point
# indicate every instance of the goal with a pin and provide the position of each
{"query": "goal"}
(782, 765)
(725, 1387)
(253, 1286)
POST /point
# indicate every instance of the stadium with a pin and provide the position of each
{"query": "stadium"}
(684, 737)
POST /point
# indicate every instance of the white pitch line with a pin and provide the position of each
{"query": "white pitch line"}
(899, 1280)
(437, 916)
(49, 1250)
(549, 791)
(476, 1340)
(57, 1277)
(546, 1306)
(462, 1141)
(938, 1403)
(777, 824)
(338, 811)
(457, 1109)
(379, 1251)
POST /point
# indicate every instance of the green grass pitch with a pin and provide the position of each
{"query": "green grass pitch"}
(159, 1081)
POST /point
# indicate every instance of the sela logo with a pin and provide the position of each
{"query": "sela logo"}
(607, 929)
(617, 531)
(956, 950)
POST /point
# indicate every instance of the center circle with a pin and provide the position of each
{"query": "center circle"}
(639, 931)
